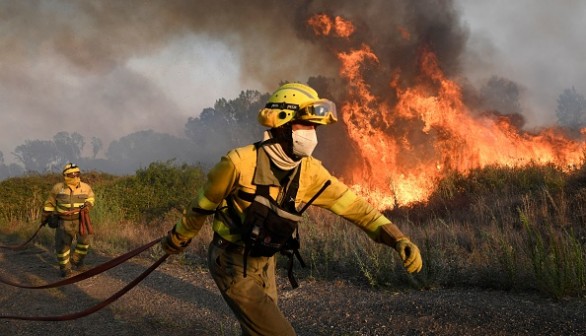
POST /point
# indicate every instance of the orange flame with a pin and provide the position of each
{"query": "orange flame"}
(406, 148)
(344, 28)
(323, 25)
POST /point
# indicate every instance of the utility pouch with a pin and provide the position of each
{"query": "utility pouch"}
(268, 228)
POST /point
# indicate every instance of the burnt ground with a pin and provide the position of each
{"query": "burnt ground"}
(178, 299)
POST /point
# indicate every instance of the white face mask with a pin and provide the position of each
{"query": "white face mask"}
(304, 142)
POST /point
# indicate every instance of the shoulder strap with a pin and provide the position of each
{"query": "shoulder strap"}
(288, 202)
(263, 190)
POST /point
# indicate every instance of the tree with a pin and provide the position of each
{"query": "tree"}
(69, 146)
(38, 155)
(139, 149)
(229, 124)
(96, 146)
(501, 95)
(50, 155)
(571, 109)
(11, 170)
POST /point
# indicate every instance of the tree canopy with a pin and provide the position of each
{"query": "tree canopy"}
(229, 124)
(571, 109)
(501, 95)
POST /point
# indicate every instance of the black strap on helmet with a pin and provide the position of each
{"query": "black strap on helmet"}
(282, 106)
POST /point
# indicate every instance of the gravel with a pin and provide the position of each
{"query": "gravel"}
(178, 299)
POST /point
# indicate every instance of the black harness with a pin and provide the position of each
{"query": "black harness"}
(269, 226)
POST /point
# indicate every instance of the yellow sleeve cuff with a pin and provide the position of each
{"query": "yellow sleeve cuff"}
(380, 221)
(204, 203)
(373, 228)
(183, 232)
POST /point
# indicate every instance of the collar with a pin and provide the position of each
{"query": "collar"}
(264, 173)
(276, 153)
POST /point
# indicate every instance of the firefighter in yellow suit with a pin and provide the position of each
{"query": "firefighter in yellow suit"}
(66, 200)
(248, 284)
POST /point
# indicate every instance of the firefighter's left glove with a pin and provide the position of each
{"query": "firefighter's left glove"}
(174, 243)
(410, 255)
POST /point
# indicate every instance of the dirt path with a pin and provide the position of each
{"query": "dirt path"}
(181, 300)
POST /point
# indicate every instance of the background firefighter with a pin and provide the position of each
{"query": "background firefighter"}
(69, 201)
(279, 163)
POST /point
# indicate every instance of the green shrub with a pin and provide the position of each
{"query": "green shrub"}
(151, 192)
(22, 198)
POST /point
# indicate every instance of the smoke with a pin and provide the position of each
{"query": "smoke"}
(537, 45)
(110, 68)
(72, 66)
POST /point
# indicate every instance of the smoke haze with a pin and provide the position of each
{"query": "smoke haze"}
(107, 69)
(537, 44)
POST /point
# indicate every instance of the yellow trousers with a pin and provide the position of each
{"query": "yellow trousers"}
(65, 233)
(252, 299)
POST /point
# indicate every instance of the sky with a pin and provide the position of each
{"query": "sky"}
(108, 69)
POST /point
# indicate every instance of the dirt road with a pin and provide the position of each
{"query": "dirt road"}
(177, 299)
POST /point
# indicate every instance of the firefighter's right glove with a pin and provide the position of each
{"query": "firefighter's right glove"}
(410, 255)
(174, 243)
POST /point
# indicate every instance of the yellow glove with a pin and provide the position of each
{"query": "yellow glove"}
(410, 255)
(174, 243)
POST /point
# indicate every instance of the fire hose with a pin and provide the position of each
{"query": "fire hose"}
(85, 224)
(85, 227)
(90, 273)
(21, 246)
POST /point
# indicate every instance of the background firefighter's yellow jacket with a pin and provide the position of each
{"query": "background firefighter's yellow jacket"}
(238, 171)
(63, 198)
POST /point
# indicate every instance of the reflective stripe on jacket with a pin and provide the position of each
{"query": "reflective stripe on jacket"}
(63, 199)
(237, 172)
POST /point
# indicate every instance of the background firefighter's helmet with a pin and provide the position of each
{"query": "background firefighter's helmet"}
(70, 168)
(71, 175)
(296, 101)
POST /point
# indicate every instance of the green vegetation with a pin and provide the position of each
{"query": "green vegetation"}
(518, 229)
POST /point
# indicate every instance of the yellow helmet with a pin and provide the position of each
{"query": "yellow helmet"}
(296, 101)
(70, 168)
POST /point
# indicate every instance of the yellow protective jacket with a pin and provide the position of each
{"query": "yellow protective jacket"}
(237, 171)
(63, 199)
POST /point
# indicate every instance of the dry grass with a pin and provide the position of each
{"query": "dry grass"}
(520, 230)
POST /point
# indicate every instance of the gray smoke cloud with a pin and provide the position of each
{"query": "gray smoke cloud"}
(537, 44)
(109, 68)
(68, 65)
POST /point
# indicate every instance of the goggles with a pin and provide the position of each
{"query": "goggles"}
(321, 111)
(71, 175)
